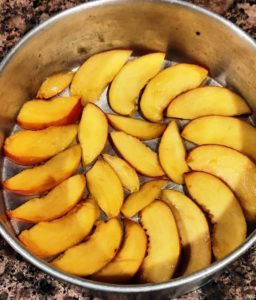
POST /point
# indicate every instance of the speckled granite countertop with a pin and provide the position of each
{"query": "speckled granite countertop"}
(19, 279)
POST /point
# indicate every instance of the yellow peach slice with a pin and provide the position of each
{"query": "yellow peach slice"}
(105, 187)
(29, 147)
(233, 167)
(127, 175)
(40, 114)
(54, 84)
(129, 258)
(167, 85)
(96, 73)
(53, 205)
(44, 177)
(164, 245)
(46, 239)
(172, 154)
(223, 210)
(125, 88)
(92, 255)
(92, 133)
(226, 131)
(138, 128)
(148, 192)
(137, 154)
(193, 230)
(206, 101)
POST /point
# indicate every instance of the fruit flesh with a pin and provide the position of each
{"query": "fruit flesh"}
(29, 147)
(226, 131)
(46, 239)
(127, 175)
(129, 258)
(125, 88)
(138, 128)
(193, 230)
(92, 255)
(96, 73)
(206, 101)
(231, 166)
(148, 192)
(164, 246)
(44, 177)
(39, 114)
(54, 84)
(53, 205)
(224, 211)
(105, 187)
(172, 154)
(137, 154)
(167, 85)
(92, 133)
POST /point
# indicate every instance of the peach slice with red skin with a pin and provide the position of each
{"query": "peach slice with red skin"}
(126, 86)
(105, 187)
(193, 230)
(127, 175)
(44, 177)
(40, 114)
(97, 251)
(164, 245)
(129, 257)
(96, 73)
(225, 213)
(53, 205)
(207, 101)
(172, 154)
(46, 239)
(54, 84)
(141, 129)
(167, 85)
(29, 147)
(137, 154)
(92, 132)
(231, 166)
(148, 192)
(226, 131)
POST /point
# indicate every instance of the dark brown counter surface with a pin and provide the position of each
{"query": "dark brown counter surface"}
(21, 280)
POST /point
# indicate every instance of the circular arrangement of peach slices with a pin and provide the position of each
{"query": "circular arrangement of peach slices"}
(152, 232)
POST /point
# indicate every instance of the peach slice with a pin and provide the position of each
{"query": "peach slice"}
(137, 154)
(138, 128)
(233, 167)
(92, 133)
(167, 85)
(226, 131)
(30, 147)
(172, 154)
(127, 175)
(125, 88)
(53, 205)
(224, 211)
(205, 101)
(164, 246)
(92, 255)
(105, 187)
(46, 239)
(40, 114)
(44, 177)
(54, 84)
(193, 229)
(129, 258)
(148, 192)
(96, 73)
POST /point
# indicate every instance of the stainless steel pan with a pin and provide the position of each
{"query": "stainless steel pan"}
(186, 32)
